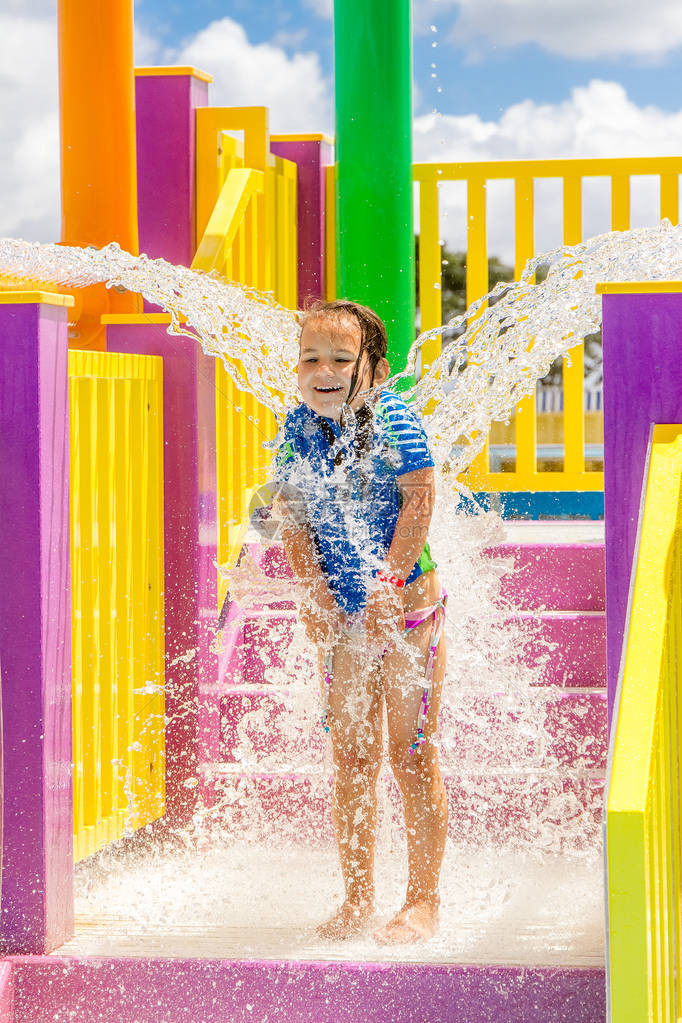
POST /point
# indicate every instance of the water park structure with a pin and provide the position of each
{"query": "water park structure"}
(127, 462)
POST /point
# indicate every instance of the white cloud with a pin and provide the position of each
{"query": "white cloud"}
(579, 29)
(29, 130)
(598, 120)
(148, 50)
(323, 8)
(293, 87)
(262, 74)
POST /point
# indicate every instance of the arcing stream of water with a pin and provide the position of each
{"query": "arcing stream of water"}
(494, 737)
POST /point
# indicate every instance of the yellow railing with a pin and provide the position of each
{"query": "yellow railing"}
(116, 451)
(643, 804)
(246, 230)
(524, 174)
(573, 474)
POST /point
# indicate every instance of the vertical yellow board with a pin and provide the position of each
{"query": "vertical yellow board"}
(670, 198)
(574, 416)
(572, 210)
(116, 444)
(256, 216)
(430, 270)
(477, 240)
(524, 247)
(620, 202)
(643, 809)
(78, 668)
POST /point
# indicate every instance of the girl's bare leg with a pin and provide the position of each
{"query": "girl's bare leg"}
(355, 730)
(418, 776)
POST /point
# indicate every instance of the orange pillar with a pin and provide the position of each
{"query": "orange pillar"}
(98, 160)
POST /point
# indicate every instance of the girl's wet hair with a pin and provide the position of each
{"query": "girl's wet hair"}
(374, 343)
(373, 337)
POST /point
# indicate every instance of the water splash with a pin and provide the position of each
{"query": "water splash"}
(510, 336)
(495, 720)
(256, 338)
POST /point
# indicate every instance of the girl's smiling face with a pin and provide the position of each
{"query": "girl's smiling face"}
(326, 365)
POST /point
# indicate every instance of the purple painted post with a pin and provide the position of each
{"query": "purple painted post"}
(311, 153)
(35, 623)
(165, 100)
(642, 385)
(190, 590)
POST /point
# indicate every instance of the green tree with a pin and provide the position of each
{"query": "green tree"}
(453, 279)
(453, 303)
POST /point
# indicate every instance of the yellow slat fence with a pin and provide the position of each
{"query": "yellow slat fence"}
(117, 573)
(643, 800)
(574, 475)
(574, 471)
(246, 231)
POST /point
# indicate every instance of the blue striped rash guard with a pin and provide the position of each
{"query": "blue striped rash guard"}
(350, 491)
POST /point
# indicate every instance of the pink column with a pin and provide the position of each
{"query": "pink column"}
(35, 623)
(190, 590)
(311, 153)
(642, 386)
(166, 99)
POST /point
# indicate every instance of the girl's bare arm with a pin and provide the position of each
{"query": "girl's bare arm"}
(385, 607)
(319, 611)
(418, 492)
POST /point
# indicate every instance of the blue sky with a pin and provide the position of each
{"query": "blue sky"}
(518, 79)
(477, 70)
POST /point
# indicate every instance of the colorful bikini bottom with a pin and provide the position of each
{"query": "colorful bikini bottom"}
(435, 611)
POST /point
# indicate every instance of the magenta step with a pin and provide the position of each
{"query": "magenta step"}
(556, 576)
(136, 990)
(255, 724)
(579, 641)
(511, 809)
(255, 645)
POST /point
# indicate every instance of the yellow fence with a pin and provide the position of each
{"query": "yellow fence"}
(524, 174)
(643, 807)
(247, 231)
(116, 450)
(572, 474)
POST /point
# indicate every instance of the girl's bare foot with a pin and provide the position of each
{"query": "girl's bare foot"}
(416, 922)
(352, 918)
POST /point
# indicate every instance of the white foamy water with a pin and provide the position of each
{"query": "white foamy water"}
(264, 903)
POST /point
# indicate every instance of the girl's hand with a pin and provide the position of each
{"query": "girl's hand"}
(322, 618)
(384, 616)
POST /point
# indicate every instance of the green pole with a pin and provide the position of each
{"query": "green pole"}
(374, 204)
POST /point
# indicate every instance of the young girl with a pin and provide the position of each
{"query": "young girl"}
(373, 605)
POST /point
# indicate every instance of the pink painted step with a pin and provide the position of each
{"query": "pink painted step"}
(555, 576)
(255, 646)
(254, 724)
(579, 640)
(6, 992)
(137, 990)
(484, 809)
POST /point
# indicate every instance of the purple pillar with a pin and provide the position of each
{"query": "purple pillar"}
(190, 590)
(35, 623)
(165, 100)
(311, 153)
(642, 386)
